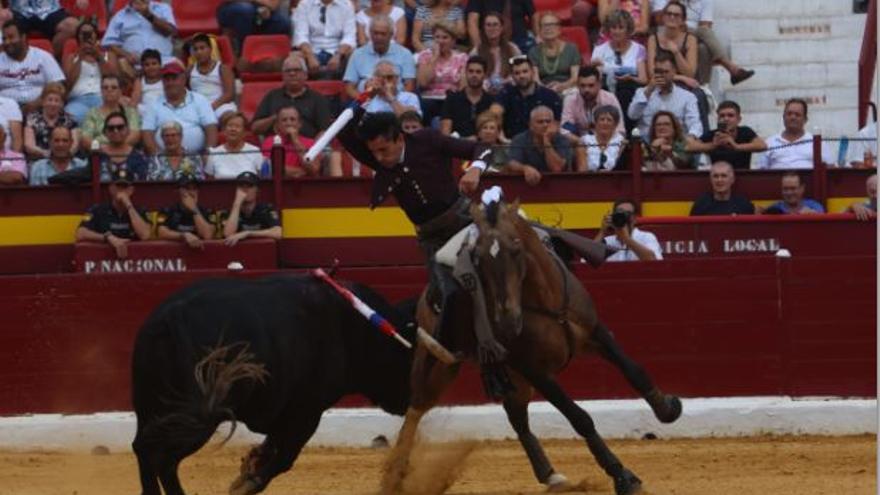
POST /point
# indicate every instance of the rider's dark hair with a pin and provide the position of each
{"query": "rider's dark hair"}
(379, 124)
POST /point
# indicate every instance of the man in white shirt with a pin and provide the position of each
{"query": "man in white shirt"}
(25, 70)
(618, 231)
(191, 110)
(10, 119)
(862, 152)
(325, 32)
(793, 147)
(661, 93)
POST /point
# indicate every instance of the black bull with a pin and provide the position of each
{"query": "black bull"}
(273, 353)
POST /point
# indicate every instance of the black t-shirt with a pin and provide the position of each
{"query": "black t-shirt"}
(708, 205)
(262, 217)
(739, 159)
(103, 218)
(180, 219)
(313, 107)
(520, 10)
(463, 113)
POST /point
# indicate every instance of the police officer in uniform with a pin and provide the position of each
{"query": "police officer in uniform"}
(187, 220)
(248, 218)
(118, 221)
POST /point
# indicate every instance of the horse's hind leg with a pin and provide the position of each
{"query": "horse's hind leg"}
(516, 406)
(667, 408)
(625, 482)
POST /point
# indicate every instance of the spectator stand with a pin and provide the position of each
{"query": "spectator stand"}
(261, 57)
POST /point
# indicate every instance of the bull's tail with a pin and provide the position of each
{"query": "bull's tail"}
(215, 374)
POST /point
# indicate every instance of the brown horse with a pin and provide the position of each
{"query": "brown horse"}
(544, 317)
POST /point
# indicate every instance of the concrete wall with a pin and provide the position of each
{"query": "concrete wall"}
(806, 48)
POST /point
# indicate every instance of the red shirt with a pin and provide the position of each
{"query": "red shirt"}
(291, 158)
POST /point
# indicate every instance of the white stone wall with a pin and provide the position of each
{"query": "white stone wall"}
(805, 48)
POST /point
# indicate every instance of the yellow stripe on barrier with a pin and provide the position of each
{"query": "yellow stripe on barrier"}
(38, 229)
(838, 205)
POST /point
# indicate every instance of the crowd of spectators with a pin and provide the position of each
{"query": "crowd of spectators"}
(161, 107)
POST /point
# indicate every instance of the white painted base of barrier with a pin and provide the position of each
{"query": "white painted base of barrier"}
(715, 417)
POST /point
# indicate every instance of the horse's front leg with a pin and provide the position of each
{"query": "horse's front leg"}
(429, 379)
(625, 482)
(516, 406)
(667, 408)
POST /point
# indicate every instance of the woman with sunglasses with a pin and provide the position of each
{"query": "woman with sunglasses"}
(557, 60)
(497, 49)
(117, 154)
(604, 147)
(38, 125)
(83, 70)
(111, 102)
(673, 37)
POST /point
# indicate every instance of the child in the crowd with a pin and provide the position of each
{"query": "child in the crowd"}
(211, 78)
(148, 88)
(410, 121)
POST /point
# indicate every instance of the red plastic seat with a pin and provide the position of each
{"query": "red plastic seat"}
(97, 9)
(251, 95)
(196, 16)
(578, 35)
(70, 47)
(227, 56)
(562, 8)
(259, 47)
(41, 43)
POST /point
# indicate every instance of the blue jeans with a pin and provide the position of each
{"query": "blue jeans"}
(79, 106)
(241, 18)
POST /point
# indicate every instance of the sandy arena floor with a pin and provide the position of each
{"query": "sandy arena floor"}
(746, 466)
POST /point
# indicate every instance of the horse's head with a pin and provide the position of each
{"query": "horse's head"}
(501, 263)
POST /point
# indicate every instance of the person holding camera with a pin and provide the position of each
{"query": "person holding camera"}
(618, 231)
(83, 70)
(730, 142)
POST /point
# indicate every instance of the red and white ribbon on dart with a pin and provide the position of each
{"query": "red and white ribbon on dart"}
(383, 325)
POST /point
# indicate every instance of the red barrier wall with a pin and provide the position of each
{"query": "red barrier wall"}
(702, 327)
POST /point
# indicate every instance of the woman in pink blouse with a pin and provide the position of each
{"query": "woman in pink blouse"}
(13, 169)
(441, 69)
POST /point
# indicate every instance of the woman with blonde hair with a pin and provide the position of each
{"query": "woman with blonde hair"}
(488, 126)
(40, 123)
(440, 69)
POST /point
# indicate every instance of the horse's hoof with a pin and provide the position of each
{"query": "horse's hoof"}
(627, 483)
(557, 483)
(670, 411)
(245, 485)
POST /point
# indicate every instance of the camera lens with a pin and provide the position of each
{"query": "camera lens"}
(619, 219)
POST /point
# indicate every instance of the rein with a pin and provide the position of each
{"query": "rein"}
(560, 315)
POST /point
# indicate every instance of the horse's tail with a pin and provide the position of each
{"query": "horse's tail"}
(215, 374)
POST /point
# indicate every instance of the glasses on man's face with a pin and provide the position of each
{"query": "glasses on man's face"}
(114, 128)
(323, 14)
(675, 15)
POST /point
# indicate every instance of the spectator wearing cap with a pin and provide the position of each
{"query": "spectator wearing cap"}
(11, 120)
(517, 100)
(46, 17)
(235, 155)
(243, 18)
(187, 220)
(92, 128)
(287, 130)
(192, 110)
(140, 25)
(313, 107)
(721, 200)
(173, 162)
(603, 148)
(249, 218)
(60, 158)
(730, 142)
(13, 168)
(363, 61)
(578, 107)
(24, 69)
(118, 221)
(793, 147)
(793, 201)
(461, 108)
(117, 155)
(387, 97)
(540, 149)
(326, 34)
